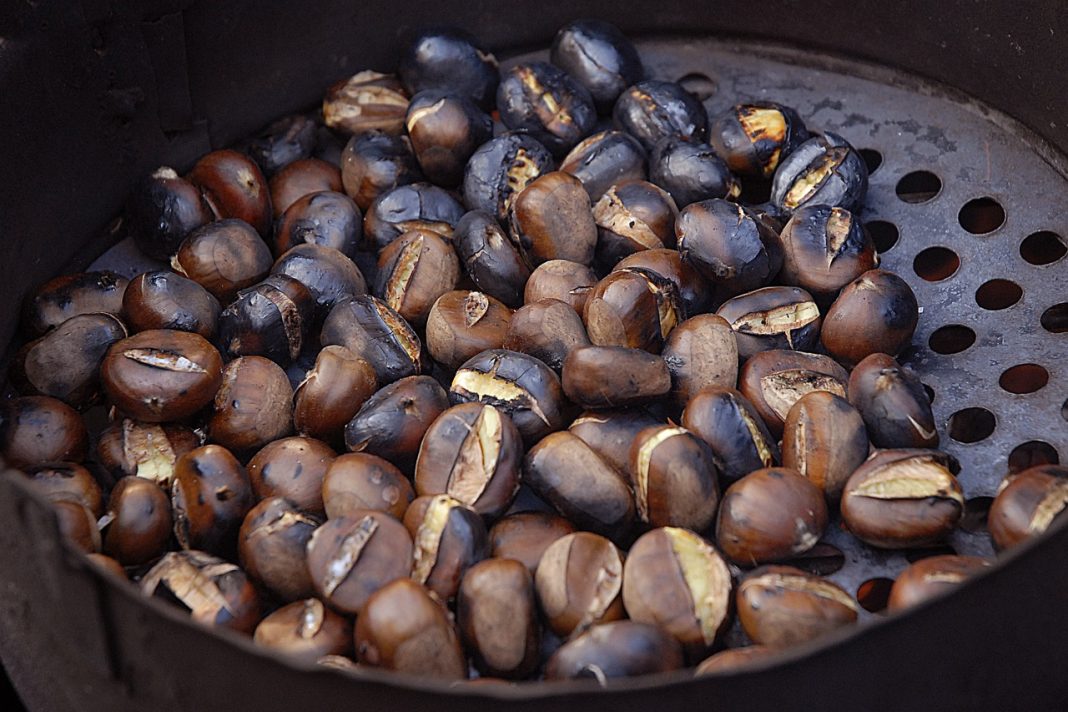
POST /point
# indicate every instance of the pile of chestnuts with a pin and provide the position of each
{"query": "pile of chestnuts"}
(500, 374)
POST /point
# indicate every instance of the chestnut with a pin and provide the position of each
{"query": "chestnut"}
(332, 393)
(774, 380)
(500, 169)
(675, 478)
(471, 452)
(566, 281)
(770, 515)
(417, 206)
(675, 579)
(824, 170)
(605, 159)
(37, 430)
(633, 307)
(462, 324)
(599, 57)
(580, 485)
(782, 606)
(654, 109)
(900, 499)
(545, 102)
(519, 385)
(875, 313)
(281, 142)
(414, 270)
(1027, 503)
(893, 403)
(375, 162)
(616, 649)
(328, 275)
(611, 432)
(77, 525)
(551, 219)
(326, 218)
(579, 580)
(700, 352)
(253, 406)
(107, 564)
(70, 295)
(210, 496)
(270, 319)
(632, 217)
(300, 179)
(694, 291)
(215, 592)
(614, 376)
(524, 536)
(375, 332)
(728, 422)
(366, 101)
(930, 577)
(490, 259)
(166, 300)
(392, 422)
(272, 546)
(223, 257)
(162, 209)
(68, 481)
(138, 524)
(691, 171)
(358, 481)
(755, 138)
(233, 186)
(498, 618)
(306, 631)
(292, 468)
(824, 439)
(403, 628)
(445, 128)
(449, 538)
(161, 375)
(548, 330)
(824, 249)
(727, 661)
(773, 318)
(450, 59)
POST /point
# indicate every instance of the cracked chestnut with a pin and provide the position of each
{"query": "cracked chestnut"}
(210, 496)
(305, 630)
(825, 440)
(213, 591)
(611, 432)
(675, 478)
(500, 169)
(824, 249)
(755, 138)
(392, 422)
(375, 162)
(253, 406)
(695, 292)
(774, 380)
(272, 547)
(449, 538)
(547, 103)
(445, 128)
(654, 109)
(417, 206)
(893, 403)
(366, 101)
(270, 319)
(632, 217)
(691, 171)
(414, 270)
(375, 332)
(773, 318)
(605, 159)
(824, 170)
(462, 324)
(579, 582)
(782, 606)
(633, 307)
(1027, 503)
(728, 422)
(332, 393)
(490, 258)
(551, 219)
(599, 57)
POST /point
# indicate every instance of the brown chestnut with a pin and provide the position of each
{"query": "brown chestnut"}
(824, 439)
(548, 330)
(445, 128)
(166, 300)
(37, 430)
(875, 313)
(449, 538)
(77, 525)
(272, 546)
(107, 564)
(611, 432)
(774, 380)
(930, 577)
(223, 257)
(675, 478)
(332, 393)
(616, 649)
(551, 219)
(694, 291)
(414, 270)
(392, 422)
(375, 162)
(1027, 503)
(727, 661)
(69, 481)
(270, 319)
(567, 281)
(700, 352)
(524, 536)
(300, 179)
(366, 101)
(728, 422)
(306, 631)
(498, 618)
(69, 295)
(824, 249)
(772, 318)
(210, 497)
(234, 187)
(632, 217)
(130, 448)
(614, 376)
(781, 606)
(137, 526)
(253, 405)
(292, 468)
(893, 403)
(375, 332)
(632, 307)
(462, 324)
(357, 481)
(579, 582)
(215, 592)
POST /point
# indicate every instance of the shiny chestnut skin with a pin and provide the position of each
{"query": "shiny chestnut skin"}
(654, 109)
(166, 300)
(270, 319)
(414, 270)
(930, 577)
(567, 281)
(69, 295)
(614, 376)
(579, 582)
(281, 142)
(774, 380)
(616, 649)
(773, 318)
(77, 525)
(374, 331)
(551, 219)
(675, 478)
(305, 630)
(580, 485)
(691, 171)
(366, 101)
(599, 57)
(824, 170)
(605, 159)
(727, 244)
(139, 523)
(675, 579)
(490, 259)
(328, 275)
(300, 179)
(770, 515)
(349, 558)
(727, 661)
(728, 422)
(548, 330)
(223, 257)
(1027, 503)
(449, 538)
(610, 433)
(519, 385)
(37, 430)
(694, 291)
(782, 606)
(545, 102)
(234, 187)
(471, 452)
(403, 628)
(450, 59)
(392, 422)
(498, 618)
(68, 481)
(875, 313)
(824, 249)
(893, 403)
(210, 497)
(633, 307)
(161, 375)
(524, 536)
(107, 564)
(332, 393)
(356, 481)
(65, 362)
(825, 440)
(900, 499)
(375, 162)
(632, 217)
(216, 592)
(272, 547)
(326, 218)
(700, 352)
(292, 468)
(162, 209)
(500, 169)
(445, 128)
(755, 138)
(416, 206)
(253, 406)
(462, 324)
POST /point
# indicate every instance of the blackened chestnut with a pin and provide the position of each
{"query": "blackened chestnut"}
(215, 592)
(498, 618)
(283, 141)
(875, 313)
(462, 324)
(772, 318)
(490, 259)
(328, 275)
(137, 527)
(270, 319)
(654, 109)
(695, 291)
(37, 430)
(605, 159)
(365, 102)
(392, 422)
(332, 393)
(893, 403)
(445, 129)
(371, 329)
(449, 538)
(545, 102)
(223, 257)
(500, 169)
(356, 481)
(162, 210)
(375, 162)
(824, 170)
(551, 219)
(599, 57)
(616, 649)
(165, 300)
(691, 171)
(69, 295)
(234, 187)
(632, 217)
(728, 422)
(450, 59)
(272, 546)
(292, 468)
(416, 206)
(548, 330)
(210, 497)
(325, 218)
(824, 249)
(755, 138)
(253, 406)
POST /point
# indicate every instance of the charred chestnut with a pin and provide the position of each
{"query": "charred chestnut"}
(781, 606)
(332, 393)
(548, 330)
(566, 281)
(70, 295)
(824, 439)
(551, 219)
(772, 318)
(462, 324)
(694, 291)
(325, 218)
(824, 170)
(375, 162)
(445, 129)
(162, 210)
(728, 422)
(875, 313)
(599, 57)
(210, 497)
(328, 275)
(254, 405)
(605, 159)
(614, 376)
(632, 307)
(165, 300)
(292, 468)
(498, 618)
(490, 259)
(392, 422)
(691, 171)
(419, 207)
(675, 478)
(616, 649)
(272, 546)
(450, 59)
(545, 102)
(215, 592)
(525, 536)
(579, 582)
(37, 430)
(270, 319)
(824, 249)
(755, 138)
(234, 187)
(137, 526)
(375, 332)
(449, 538)
(364, 102)
(774, 380)
(700, 352)
(653, 109)
(632, 217)
(300, 179)
(356, 481)
(500, 169)
(893, 403)
(283, 141)
(1027, 503)
(223, 257)
(305, 630)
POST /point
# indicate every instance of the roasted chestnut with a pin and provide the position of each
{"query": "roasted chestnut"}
(356, 481)
(824, 439)
(371, 329)
(611, 432)
(69, 295)
(233, 186)
(77, 525)
(654, 109)
(893, 403)
(445, 128)
(223, 257)
(325, 218)
(579, 581)
(270, 319)
(772, 318)
(616, 649)
(524, 536)
(37, 430)
(694, 291)
(701, 351)
(675, 478)
(755, 138)
(605, 159)
(727, 661)
(633, 307)
(548, 330)
(490, 259)
(210, 497)
(566, 281)
(498, 617)
(774, 380)
(728, 422)
(450, 59)
(421, 207)
(930, 577)
(300, 179)
(69, 481)
(449, 537)
(545, 102)
(215, 592)
(272, 546)
(137, 526)
(500, 169)
(824, 170)
(253, 406)
(366, 101)
(306, 631)
(632, 217)
(162, 209)
(1027, 503)
(599, 57)
(551, 219)
(375, 162)
(292, 468)
(392, 422)
(875, 313)
(414, 270)
(328, 275)
(781, 606)
(462, 324)
(165, 300)
(614, 376)
(691, 171)
(282, 142)
(332, 393)
(824, 249)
